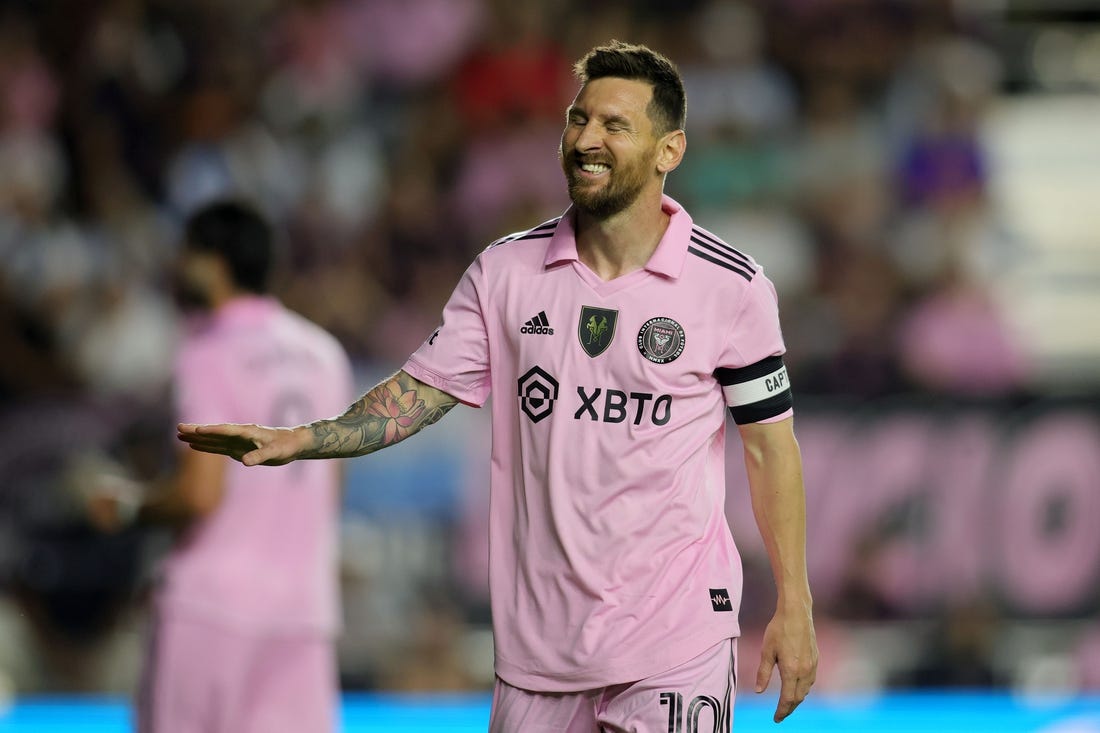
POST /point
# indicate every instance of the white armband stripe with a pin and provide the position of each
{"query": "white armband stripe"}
(757, 390)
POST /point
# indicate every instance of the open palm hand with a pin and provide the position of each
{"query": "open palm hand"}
(252, 445)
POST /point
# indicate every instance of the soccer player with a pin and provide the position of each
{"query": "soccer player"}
(613, 339)
(247, 609)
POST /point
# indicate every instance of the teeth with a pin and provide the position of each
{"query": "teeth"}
(594, 168)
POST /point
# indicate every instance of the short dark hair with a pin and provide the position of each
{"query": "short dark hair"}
(237, 232)
(668, 108)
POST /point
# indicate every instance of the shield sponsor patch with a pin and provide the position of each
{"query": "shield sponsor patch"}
(661, 340)
(596, 329)
(537, 392)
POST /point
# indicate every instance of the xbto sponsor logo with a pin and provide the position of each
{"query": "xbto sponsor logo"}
(619, 406)
(538, 390)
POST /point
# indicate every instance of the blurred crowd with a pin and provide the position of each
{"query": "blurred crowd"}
(839, 142)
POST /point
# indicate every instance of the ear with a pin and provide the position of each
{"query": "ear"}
(670, 151)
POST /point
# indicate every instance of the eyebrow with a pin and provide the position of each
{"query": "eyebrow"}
(614, 119)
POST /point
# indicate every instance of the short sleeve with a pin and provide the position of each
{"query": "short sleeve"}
(750, 370)
(455, 357)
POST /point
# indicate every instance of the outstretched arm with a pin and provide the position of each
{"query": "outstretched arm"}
(778, 500)
(390, 412)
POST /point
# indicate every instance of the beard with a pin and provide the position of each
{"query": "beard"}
(621, 189)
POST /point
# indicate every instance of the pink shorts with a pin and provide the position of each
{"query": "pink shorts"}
(696, 697)
(207, 678)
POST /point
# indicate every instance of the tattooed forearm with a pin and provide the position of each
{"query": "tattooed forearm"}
(387, 414)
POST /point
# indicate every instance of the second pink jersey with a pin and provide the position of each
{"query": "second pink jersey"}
(265, 560)
(610, 556)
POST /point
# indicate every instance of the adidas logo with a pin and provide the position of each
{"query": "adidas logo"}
(538, 325)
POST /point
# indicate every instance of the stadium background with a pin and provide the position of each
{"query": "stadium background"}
(921, 180)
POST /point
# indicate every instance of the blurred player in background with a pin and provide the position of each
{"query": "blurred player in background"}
(613, 339)
(247, 609)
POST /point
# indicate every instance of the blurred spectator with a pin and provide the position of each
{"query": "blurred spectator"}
(959, 651)
(741, 108)
(510, 94)
(516, 74)
(30, 92)
(434, 659)
(319, 75)
(225, 151)
(848, 342)
(955, 341)
(71, 588)
(860, 597)
(732, 82)
(398, 61)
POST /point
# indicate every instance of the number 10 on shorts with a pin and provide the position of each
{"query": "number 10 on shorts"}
(680, 721)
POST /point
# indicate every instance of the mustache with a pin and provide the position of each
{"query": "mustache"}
(573, 156)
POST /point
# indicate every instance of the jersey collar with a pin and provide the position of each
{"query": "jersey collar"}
(667, 259)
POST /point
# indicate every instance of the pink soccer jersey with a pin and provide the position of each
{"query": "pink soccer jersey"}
(610, 556)
(265, 560)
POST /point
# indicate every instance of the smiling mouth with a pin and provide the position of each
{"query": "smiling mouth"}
(592, 170)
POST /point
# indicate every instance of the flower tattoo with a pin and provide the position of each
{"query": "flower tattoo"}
(399, 409)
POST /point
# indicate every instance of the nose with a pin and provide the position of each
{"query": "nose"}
(589, 138)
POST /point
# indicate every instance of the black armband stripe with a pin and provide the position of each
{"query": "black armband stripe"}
(764, 367)
(762, 410)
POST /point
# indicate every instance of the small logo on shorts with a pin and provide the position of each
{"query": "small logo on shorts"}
(661, 340)
(720, 599)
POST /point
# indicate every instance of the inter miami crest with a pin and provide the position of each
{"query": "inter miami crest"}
(661, 340)
(596, 329)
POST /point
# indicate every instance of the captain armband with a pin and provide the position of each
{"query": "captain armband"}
(757, 391)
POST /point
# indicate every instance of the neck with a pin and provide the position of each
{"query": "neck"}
(221, 298)
(624, 242)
